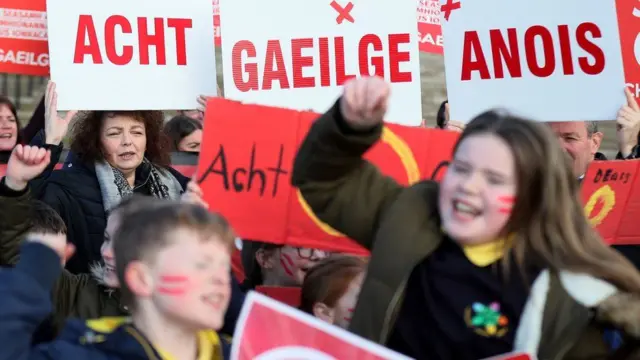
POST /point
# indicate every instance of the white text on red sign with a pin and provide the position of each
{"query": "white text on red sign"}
(117, 26)
(508, 50)
(372, 60)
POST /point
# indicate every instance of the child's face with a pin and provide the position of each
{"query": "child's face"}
(109, 276)
(290, 264)
(479, 190)
(347, 303)
(191, 280)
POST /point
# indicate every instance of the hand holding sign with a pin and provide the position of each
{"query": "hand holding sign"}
(55, 127)
(364, 102)
(628, 125)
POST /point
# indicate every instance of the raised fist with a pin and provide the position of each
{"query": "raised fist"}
(364, 102)
(25, 164)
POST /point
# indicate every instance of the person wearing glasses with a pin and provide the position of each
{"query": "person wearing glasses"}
(277, 265)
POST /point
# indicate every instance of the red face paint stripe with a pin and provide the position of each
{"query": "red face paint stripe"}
(173, 278)
(170, 291)
(288, 259)
(505, 210)
(286, 268)
(507, 199)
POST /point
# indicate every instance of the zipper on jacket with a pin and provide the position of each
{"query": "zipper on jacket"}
(384, 333)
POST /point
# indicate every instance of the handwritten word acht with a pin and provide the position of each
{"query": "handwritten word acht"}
(244, 179)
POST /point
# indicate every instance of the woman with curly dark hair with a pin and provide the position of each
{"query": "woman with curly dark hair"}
(115, 154)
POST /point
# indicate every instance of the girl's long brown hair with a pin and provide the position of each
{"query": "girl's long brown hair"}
(548, 217)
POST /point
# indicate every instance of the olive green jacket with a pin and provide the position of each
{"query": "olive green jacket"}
(401, 227)
(80, 296)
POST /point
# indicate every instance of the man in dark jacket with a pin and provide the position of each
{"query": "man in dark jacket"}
(85, 296)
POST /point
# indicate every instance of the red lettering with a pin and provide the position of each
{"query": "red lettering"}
(145, 41)
(509, 54)
(86, 28)
(591, 48)
(396, 57)
(180, 26)
(473, 49)
(248, 76)
(366, 43)
(274, 56)
(530, 50)
(110, 40)
(239, 67)
(341, 75)
(540, 52)
(565, 49)
(325, 72)
(299, 62)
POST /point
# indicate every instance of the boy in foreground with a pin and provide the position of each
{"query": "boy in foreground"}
(173, 267)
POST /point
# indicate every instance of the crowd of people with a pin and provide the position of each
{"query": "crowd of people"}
(117, 256)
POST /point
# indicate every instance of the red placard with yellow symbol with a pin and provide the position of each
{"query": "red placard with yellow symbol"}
(610, 190)
(246, 163)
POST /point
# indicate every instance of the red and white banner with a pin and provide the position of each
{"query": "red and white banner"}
(216, 22)
(548, 60)
(128, 55)
(429, 30)
(23, 37)
(293, 335)
(304, 51)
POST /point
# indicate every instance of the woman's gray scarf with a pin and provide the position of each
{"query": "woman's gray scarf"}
(114, 187)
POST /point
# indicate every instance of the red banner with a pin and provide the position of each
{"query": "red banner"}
(611, 191)
(429, 30)
(23, 37)
(629, 27)
(246, 162)
(293, 334)
(286, 295)
(248, 155)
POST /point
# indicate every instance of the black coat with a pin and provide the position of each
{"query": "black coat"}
(74, 192)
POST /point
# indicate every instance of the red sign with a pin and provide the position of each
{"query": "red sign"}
(286, 295)
(246, 162)
(294, 335)
(611, 191)
(629, 25)
(23, 37)
(429, 30)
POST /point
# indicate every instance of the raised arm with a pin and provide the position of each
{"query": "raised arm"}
(25, 163)
(344, 190)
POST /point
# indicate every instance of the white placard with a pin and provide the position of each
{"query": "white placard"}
(328, 39)
(296, 335)
(98, 63)
(578, 76)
